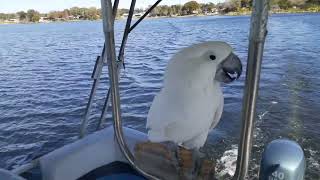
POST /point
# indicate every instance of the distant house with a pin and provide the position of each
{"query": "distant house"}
(44, 19)
(125, 15)
(138, 14)
(275, 8)
(215, 11)
(61, 19)
(212, 12)
(195, 12)
(72, 17)
(12, 21)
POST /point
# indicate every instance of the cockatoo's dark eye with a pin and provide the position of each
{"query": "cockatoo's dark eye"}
(212, 57)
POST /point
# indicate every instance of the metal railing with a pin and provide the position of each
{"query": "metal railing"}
(101, 62)
(258, 31)
(110, 56)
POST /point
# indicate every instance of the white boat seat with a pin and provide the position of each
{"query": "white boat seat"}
(8, 175)
(79, 158)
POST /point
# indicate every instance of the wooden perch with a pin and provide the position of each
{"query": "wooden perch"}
(171, 162)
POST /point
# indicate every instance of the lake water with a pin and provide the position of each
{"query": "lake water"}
(45, 81)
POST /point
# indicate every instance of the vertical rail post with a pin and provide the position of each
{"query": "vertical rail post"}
(96, 76)
(120, 59)
(258, 32)
(110, 56)
(126, 33)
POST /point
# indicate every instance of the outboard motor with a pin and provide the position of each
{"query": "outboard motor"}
(282, 159)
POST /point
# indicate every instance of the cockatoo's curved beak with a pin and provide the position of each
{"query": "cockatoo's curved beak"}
(229, 69)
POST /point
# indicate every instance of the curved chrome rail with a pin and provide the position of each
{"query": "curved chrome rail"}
(101, 62)
(258, 31)
(110, 56)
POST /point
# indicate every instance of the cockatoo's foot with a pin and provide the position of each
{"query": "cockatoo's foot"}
(186, 163)
(169, 161)
(206, 171)
(204, 168)
(158, 159)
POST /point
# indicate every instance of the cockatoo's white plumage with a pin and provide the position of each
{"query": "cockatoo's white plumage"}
(191, 102)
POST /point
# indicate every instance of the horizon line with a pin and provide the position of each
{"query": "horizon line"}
(127, 6)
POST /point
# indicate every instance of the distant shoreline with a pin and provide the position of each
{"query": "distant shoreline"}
(160, 17)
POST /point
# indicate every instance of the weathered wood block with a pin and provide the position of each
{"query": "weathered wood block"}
(171, 162)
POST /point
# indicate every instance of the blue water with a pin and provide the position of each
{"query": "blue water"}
(45, 81)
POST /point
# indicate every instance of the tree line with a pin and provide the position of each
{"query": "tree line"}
(303, 4)
(67, 14)
(236, 6)
(285, 4)
(191, 7)
(29, 16)
(91, 13)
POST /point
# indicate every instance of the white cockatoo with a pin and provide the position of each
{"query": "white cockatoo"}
(191, 102)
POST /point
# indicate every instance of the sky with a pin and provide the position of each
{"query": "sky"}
(44, 6)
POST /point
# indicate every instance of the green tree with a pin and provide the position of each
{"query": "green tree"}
(120, 12)
(246, 3)
(33, 16)
(75, 11)
(284, 4)
(176, 9)
(99, 13)
(207, 7)
(138, 10)
(298, 3)
(3, 16)
(164, 10)
(66, 14)
(92, 13)
(54, 15)
(155, 11)
(313, 2)
(22, 15)
(190, 7)
(234, 3)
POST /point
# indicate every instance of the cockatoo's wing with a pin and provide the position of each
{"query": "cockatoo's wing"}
(175, 119)
(218, 113)
(164, 115)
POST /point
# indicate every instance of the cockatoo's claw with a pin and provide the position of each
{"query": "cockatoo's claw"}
(206, 171)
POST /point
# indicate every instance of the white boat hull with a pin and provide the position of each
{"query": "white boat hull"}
(77, 159)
